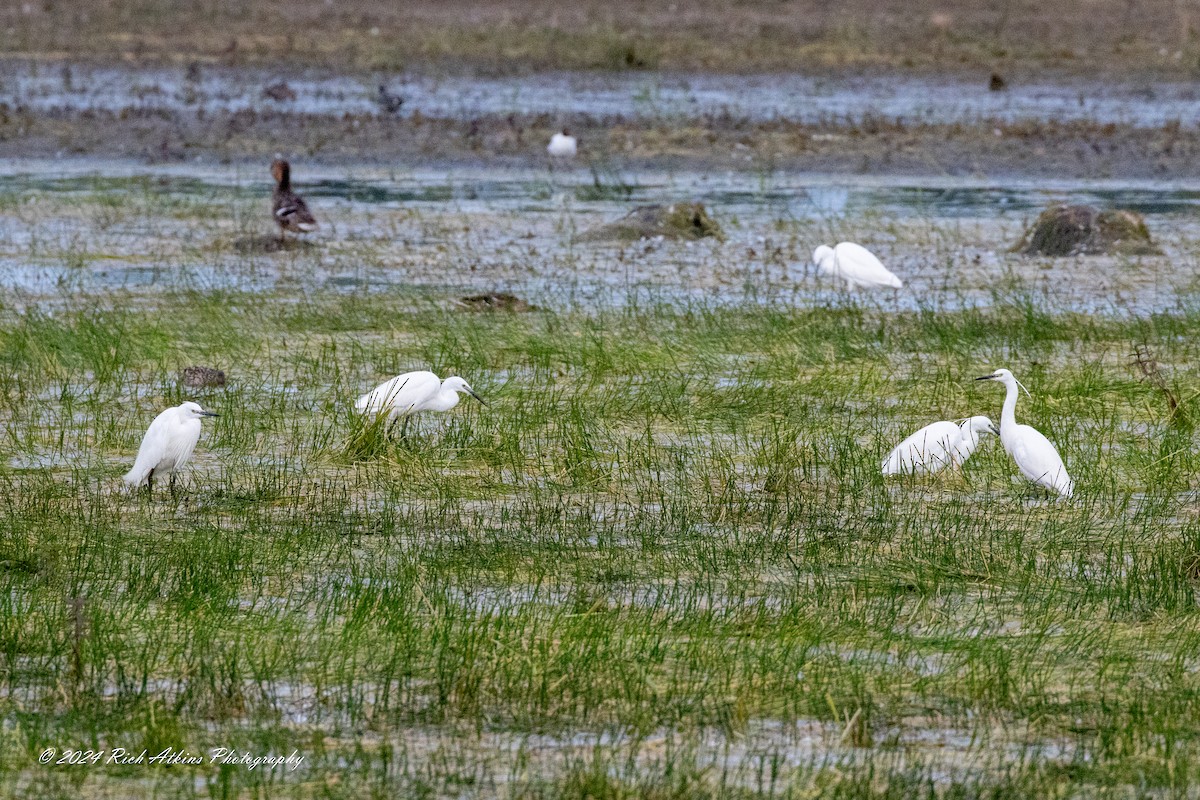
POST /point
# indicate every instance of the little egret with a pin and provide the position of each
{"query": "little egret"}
(562, 144)
(1035, 456)
(856, 265)
(290, 210)
(938, 445)
(412, 393)
(168, 444)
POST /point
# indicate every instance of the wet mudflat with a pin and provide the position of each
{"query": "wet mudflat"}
(949, 126)
(801, 98)
(1109, 39)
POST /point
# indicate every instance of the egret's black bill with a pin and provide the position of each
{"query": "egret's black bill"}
(986, 378)
(209, 414)
(477, 397)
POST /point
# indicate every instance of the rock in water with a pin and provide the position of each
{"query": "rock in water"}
(1063, 230)
(202, 377)
(389, 103)
(675, 221)
(279, 92)
(500, 301)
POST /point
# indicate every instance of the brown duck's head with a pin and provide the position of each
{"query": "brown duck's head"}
(281, 172)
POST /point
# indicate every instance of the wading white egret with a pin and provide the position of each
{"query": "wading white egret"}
(1037, 459)
(167, 445)
(562, 145)
(938, 445)
(412, 393)
(856, 265)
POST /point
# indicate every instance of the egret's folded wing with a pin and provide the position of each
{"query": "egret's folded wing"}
(1038, 459)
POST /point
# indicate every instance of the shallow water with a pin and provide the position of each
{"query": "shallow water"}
(92, 226)
(798, 98)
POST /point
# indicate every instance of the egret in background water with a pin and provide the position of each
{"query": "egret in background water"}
(856, 265)
(167, 445)
(938, 445)
(412, 393)
(1037, 459)
(562, 145)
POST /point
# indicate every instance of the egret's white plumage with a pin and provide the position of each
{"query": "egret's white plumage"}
(412, 393)
(1036, 457)
(168, 444)
(937, 445)
(856, 265)
(562, 144)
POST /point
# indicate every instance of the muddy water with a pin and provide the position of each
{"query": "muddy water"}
(93, 226)
(799, 98)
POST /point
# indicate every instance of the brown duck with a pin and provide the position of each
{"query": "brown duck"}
(291, 212)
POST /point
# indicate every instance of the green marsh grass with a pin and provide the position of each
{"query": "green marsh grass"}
(661, 562)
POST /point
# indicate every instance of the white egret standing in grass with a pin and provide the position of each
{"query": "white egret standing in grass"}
(412, 393)
(1037, 459)
(856, 265)
(562, 145)
(938, 445)
(167, 445)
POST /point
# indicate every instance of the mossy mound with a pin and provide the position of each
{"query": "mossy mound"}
(202, 377)
(689, 221)
(1063, 230)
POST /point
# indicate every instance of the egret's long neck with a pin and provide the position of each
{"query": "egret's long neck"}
(446, 399)
(968, 436)
(1008, 416)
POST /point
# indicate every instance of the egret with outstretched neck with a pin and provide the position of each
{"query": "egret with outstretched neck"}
(1036, 457)
(937, 446)
(411, 393)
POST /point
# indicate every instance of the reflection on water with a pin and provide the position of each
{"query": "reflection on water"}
(808, 195)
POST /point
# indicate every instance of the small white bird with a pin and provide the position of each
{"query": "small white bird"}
(412, 393)
(856, 265)
(938, 445)
(562, 145)
(1037, 459)
(167, 445)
